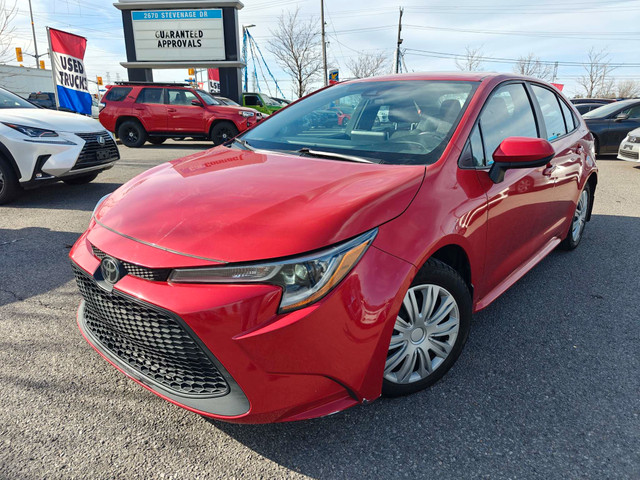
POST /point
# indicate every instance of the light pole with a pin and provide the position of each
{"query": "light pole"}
(35, 42)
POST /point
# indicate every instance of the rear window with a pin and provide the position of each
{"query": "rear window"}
(150, 95)
(117, 94)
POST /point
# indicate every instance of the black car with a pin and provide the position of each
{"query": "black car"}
(587, 107)
(610, 123)
(43, 99)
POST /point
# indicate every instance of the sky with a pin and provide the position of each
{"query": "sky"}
(433, 33)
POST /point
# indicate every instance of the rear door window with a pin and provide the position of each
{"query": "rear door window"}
(569, 118)
(551, 112)
(117, 94)
(151, 95)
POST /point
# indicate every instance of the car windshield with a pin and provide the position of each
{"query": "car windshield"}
(208, 98)
(401, 122)
(10, 100)
(606, 110)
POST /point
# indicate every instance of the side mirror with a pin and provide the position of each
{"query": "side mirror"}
(520, 152)
(196, 103)
(620, 117)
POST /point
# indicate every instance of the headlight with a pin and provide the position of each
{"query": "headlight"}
(32, 131)
(303, 280)
(245, 113)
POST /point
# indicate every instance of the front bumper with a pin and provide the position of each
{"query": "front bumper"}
(629, 151)
(279, 367)
(69, 154)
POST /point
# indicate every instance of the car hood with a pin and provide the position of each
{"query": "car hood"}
(232, 205)
(634, 133)
(50, 120)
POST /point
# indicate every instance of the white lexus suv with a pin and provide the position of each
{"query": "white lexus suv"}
(39, 146)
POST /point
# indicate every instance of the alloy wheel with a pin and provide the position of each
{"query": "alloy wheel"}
(424, 334)
(580, 216)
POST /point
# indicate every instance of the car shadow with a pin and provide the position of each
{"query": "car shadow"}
(530, 384)
(179, 145)
(47, 262)
(60, 196)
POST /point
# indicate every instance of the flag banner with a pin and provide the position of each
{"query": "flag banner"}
(69, 74)
(214, 80)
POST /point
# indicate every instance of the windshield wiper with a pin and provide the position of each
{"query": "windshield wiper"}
(338, 156)
(243, 143)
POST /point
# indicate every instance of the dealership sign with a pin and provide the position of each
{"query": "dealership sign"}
(182, 35)
(69, 74)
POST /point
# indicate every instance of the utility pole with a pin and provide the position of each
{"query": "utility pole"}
(324, 43)
(555, 72)
(35, 42)
(396, 59)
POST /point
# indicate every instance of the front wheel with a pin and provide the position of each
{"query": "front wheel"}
(9, 185)
(223, 131)
(580, 215)
(430, 330)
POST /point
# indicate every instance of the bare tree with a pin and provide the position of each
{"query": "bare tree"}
(471, 61)
(368, 65)
(7, 14)
(531, 66)
(296, 46)
(628, 89)
(597, 79)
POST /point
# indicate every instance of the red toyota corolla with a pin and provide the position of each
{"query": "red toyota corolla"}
(304, 268)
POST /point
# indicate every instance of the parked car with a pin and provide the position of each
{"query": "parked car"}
(587, 107)
(39, 146)
(43, 99)
(611, 123)
(297, 271)
(630, 147)
(577, 101)
(261, 102)
(153, 112)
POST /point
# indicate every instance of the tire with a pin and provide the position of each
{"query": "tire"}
(156, 140)
(579, 220)
(417, 356)
(132, 134)
(222, 131)
(81, 179)
(9, 185)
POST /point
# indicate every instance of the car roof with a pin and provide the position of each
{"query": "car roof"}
(451, 76)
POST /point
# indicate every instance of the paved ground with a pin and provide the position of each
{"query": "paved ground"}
(547, 387)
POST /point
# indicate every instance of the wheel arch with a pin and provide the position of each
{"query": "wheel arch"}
(457, 258)
(217, 121)
(126, 118)
(592, 181)
(6, 154)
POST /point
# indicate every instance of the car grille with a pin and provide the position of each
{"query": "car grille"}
(628, 154)
(153, 274)
(151, 341)
(89, 156)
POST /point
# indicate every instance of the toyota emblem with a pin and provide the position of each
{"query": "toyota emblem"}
(100, 140)
(110, 269)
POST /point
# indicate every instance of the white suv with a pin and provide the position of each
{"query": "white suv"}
(39, 146)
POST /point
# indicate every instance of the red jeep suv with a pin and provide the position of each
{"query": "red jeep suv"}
(139, 112)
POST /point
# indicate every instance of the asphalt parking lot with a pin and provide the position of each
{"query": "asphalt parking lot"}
(547, 387)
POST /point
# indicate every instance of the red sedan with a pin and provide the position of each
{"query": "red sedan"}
(296, 270)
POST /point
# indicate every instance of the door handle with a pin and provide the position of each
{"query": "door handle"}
(138, 108)
(172, 110)
(548, 171)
